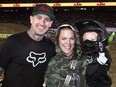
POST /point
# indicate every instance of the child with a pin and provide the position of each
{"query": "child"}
(94, 39)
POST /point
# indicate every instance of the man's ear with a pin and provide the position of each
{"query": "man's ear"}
(51, 23)
(31, 18)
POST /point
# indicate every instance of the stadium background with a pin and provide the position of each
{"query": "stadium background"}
(14, 18)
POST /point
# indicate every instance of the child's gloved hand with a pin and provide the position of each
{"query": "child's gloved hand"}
(102, 59)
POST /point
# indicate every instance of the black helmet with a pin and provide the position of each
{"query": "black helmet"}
(86, 25)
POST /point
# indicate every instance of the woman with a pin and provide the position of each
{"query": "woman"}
(66, 69)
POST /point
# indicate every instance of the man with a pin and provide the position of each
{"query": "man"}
(24, 56)
(94, 39)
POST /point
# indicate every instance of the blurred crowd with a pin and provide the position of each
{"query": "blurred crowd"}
(106, 18)
(22, 17)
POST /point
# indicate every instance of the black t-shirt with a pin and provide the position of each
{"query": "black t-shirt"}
(25, 60)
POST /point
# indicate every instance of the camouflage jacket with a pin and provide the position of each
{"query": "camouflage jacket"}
(60, 67)
(64, 71)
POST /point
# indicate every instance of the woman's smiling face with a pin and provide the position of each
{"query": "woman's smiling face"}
(67, 41)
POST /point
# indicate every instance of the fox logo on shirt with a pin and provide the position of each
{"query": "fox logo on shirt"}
(36, 58)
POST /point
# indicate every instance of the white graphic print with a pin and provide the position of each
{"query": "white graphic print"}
(90, 59)
(36, 58)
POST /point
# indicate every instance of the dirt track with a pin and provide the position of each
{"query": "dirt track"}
(113, 65)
